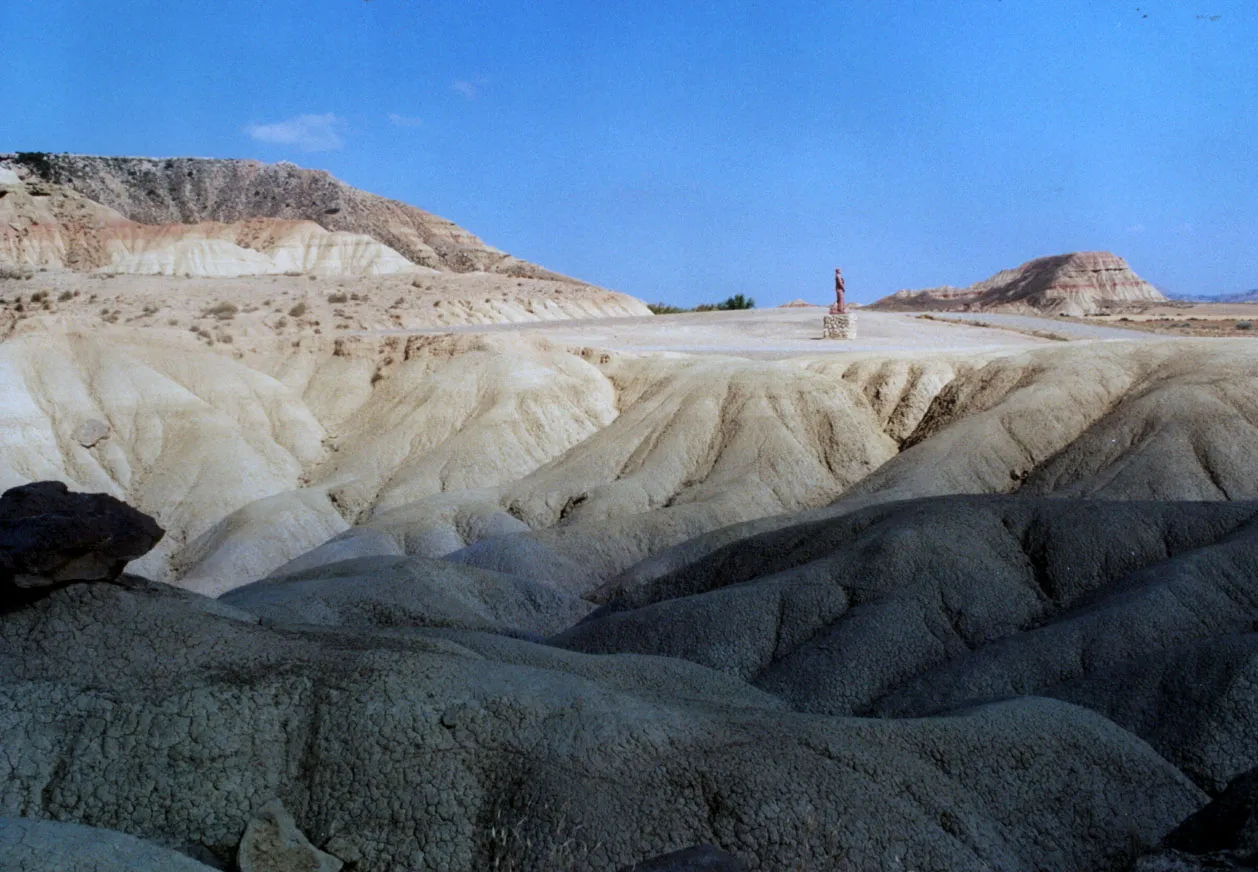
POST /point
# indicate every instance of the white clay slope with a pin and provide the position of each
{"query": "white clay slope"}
(45, 225)
(254, 248)
(434, 443)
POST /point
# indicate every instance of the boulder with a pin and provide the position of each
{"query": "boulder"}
(700, 858)
(91, 432)
(50, 536)
(272, 843)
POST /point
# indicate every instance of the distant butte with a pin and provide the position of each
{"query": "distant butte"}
(1082, 283)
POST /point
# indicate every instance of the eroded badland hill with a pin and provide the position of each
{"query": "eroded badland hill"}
(475, 566)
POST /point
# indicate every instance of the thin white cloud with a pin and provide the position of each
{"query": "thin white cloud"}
(307, 132)
(470, 90)
(405, 120)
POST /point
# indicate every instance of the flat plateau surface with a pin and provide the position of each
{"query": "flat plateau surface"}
(1066, 328)
(794, 332)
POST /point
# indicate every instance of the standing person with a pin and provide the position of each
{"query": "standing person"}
(840, 294)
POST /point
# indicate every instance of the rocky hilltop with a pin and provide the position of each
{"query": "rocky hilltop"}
(1082, 283)
(214, 196)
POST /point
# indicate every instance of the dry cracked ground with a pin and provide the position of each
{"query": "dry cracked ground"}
(576, 594)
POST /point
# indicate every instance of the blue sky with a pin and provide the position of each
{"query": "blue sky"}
(685, 151)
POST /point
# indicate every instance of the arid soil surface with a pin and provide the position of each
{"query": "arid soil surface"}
(791, 332)
(1043, 327)
(257, 307)
(1218, 320)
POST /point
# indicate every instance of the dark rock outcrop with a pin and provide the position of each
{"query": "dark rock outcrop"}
(1229, 823)
(1223, 835)
(1141, 611)
(169, 717)
(50, 536)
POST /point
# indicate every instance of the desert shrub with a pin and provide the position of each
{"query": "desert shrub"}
(222, 311)
(338, 298)
(38, 297)
(36, 160)
(13, 271)
(661, 308)
(64, 296)
(281, 323)
(1244, 325)
(297, 311)
(738, 301)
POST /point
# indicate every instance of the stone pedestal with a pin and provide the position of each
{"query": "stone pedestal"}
(839, 326)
